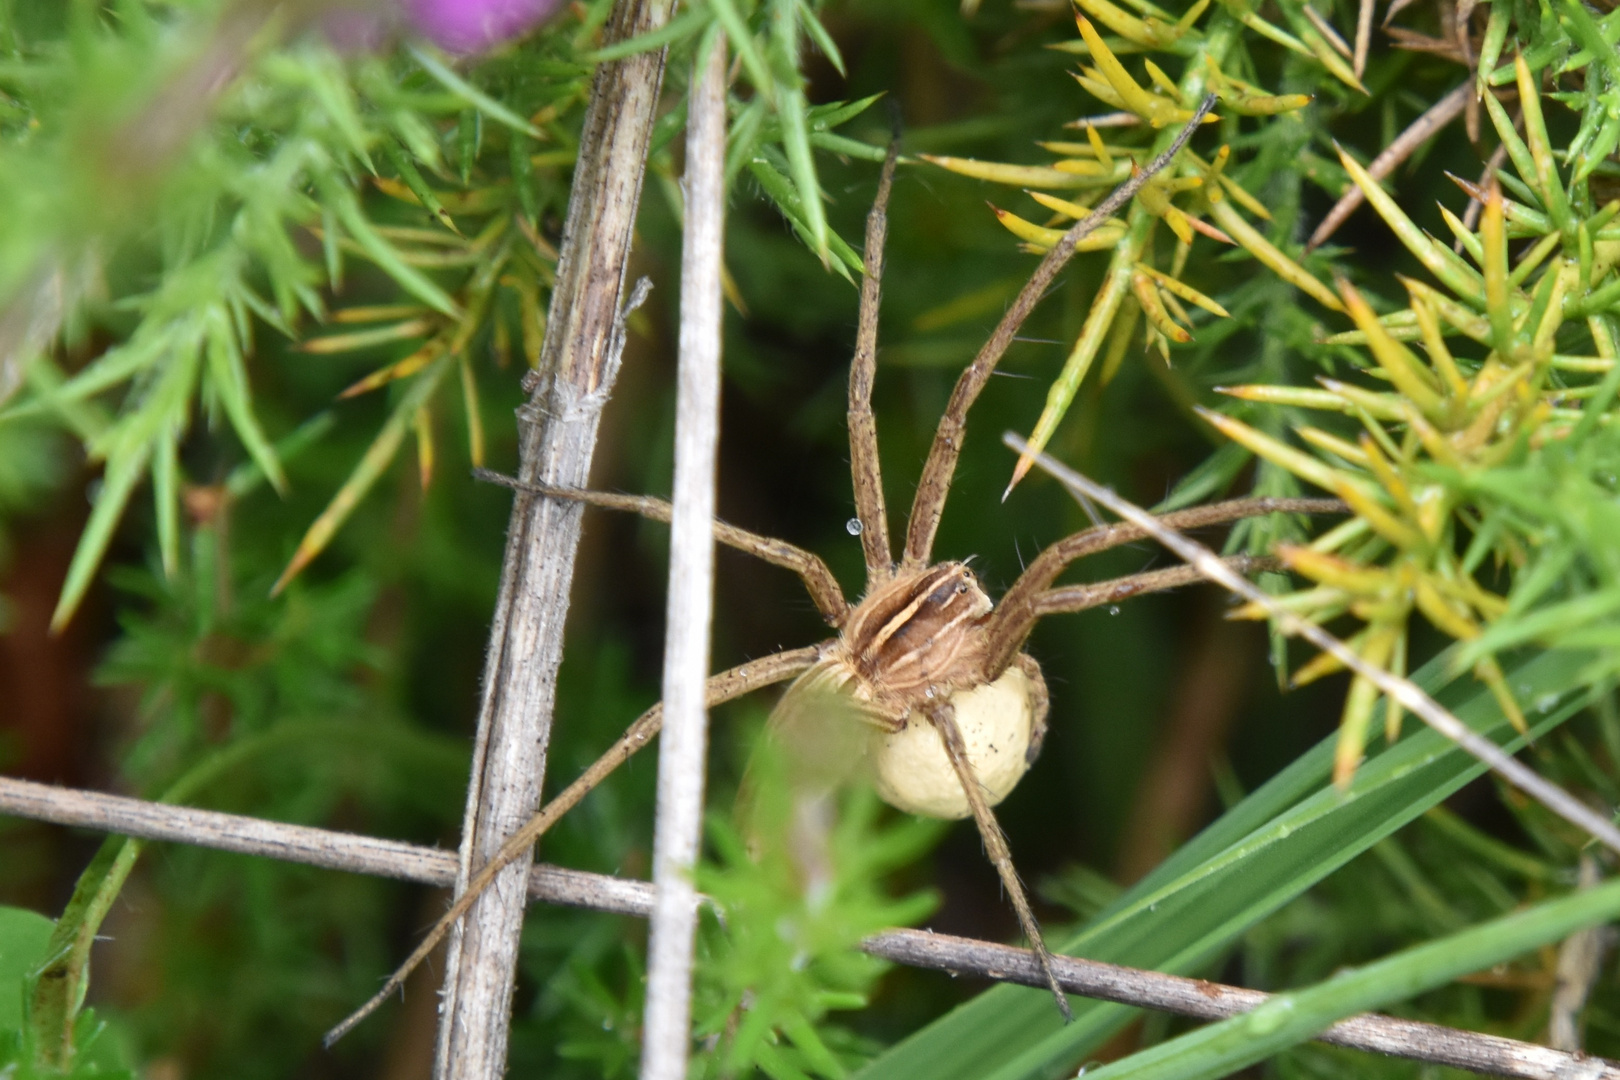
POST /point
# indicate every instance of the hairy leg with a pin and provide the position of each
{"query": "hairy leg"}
(935, 483)
(943, 718)
(1080, 597)
(740, 680)
(864, 466)
(818, 580)
(1023, 604)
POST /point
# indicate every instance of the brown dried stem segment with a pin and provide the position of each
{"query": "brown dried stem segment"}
(1364, 19)
(864, 465)
(943, 717)
(818, 580)
(1021, 606)
(740, 680)
(935, 483)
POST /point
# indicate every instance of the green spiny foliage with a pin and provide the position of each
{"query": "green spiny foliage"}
(473, 175)
(400, 210)
(1466, 465)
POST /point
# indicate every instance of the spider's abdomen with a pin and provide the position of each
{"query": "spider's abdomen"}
(998, 721)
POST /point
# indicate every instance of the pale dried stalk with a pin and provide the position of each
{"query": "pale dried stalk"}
(666, 1041)
(1486, 1054)
(576, 369)
(1364, 18)
(299, 844)
(1403, 691)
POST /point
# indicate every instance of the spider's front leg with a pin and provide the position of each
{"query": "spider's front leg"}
(1031, 597)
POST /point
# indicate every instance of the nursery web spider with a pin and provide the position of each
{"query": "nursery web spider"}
(954, 711)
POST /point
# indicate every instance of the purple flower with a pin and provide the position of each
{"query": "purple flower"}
(470, 26)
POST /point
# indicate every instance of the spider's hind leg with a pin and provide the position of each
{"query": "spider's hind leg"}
(943, 717)
(734, 683)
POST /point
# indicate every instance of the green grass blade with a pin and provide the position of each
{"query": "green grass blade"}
(1230, 1045)
(1270, 848)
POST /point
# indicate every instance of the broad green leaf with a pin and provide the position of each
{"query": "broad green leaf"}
(1270, 848)
(24, 938)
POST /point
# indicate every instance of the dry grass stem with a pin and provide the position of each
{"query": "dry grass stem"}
(1364, 21)
(1486, 1054)
(666, 1026)
(579, 360)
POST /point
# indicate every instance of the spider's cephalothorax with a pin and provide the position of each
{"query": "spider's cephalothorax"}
(918, 641)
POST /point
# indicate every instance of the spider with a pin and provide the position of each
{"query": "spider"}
(954, 710)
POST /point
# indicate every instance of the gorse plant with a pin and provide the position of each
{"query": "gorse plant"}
(245, 257)
(1452, 477)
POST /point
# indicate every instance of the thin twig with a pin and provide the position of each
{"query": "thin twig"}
(300, 844)
(1420, 131)
(1371, 1032)
(666, 1028)
(1402, 691)
(1580, 964)
(1487, 1054)
(1326, 29)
